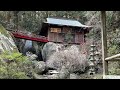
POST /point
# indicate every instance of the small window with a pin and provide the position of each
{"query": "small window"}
(56, 30)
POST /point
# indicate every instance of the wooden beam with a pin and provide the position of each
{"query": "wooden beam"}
(114, 60)
(104, 42)
(114, 57)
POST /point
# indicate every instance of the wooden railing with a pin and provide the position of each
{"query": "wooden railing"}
(31, 35)
(28, 36)
(112, 58)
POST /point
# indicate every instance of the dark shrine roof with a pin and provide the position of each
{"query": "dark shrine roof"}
(66, 22)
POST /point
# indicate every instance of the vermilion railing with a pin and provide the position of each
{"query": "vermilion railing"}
(33, 37)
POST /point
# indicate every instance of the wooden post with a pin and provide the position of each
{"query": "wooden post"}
(104, 43)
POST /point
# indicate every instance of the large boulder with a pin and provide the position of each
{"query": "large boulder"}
(38, 48)
(31, 56)
(39, 66)
(48, 49)
(73, 76)
(64, 73)
(71, 58)
(6, 41)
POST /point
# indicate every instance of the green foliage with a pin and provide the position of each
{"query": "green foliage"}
(3, 31)
(114, 68)
(15, 66)
(113, 28)
(114, 71)
(32, 20)
(16, 56)
(114, 42)
(112, 50)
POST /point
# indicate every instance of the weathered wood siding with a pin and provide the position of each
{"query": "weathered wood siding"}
(58, 35)
(79, 37)
(54, 35)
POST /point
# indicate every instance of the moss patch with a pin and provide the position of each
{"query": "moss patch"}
(4, 32)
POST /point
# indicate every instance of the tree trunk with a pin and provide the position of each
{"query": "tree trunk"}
(16, 19)
(8, 16)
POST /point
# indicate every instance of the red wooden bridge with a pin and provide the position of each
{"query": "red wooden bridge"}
(32, 37)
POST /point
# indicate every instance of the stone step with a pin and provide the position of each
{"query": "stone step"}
(111, 77)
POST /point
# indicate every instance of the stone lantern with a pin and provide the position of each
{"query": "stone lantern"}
(94, 59)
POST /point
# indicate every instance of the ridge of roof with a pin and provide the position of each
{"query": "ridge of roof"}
(62, 18)
(67, 22)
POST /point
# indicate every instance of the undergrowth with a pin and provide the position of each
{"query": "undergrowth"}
(15, 66)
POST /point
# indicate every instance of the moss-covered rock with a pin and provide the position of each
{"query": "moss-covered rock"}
(6, 41)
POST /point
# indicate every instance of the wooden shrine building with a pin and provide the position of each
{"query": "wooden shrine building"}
(57, 30)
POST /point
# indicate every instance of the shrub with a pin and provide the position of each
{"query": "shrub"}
(15, 66)
(114, 68)
(71, 58)
(39, 66)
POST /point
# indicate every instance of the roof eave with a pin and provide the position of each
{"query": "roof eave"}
(83, 26)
